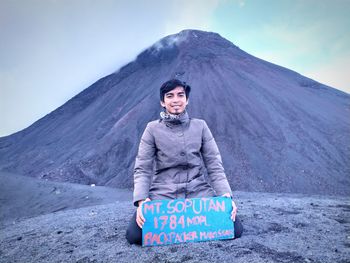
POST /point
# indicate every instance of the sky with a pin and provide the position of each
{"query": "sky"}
(50, 50)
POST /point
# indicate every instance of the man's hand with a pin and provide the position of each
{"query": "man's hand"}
(140, 220)
(234, 207)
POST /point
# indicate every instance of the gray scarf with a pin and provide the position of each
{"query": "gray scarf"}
(173, 118)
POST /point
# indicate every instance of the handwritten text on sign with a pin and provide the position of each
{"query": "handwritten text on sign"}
(187, 220)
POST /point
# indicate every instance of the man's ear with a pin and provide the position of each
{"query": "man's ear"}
(162, 104)
(187, 101)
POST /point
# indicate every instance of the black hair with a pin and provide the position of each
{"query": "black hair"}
(172, 84)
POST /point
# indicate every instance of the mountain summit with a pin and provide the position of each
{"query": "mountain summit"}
(276, 129)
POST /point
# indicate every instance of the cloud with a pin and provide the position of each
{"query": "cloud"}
(316, 50)
(334, 74)
(241, 3)
(195, 14)
(52, 50)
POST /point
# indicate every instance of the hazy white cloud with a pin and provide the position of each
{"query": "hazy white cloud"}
(52, 50)
(335, 73)
(241, 3)
(307, 50)
(333, 70)
(195, 14)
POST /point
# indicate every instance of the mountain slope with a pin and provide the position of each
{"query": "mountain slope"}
(277, 130)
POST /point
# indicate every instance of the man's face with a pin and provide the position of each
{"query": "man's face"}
(175, 101)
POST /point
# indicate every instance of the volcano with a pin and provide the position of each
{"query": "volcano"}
(277, 130)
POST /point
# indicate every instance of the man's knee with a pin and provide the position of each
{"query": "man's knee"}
(133, 238)
(134, 232)
(238, 228)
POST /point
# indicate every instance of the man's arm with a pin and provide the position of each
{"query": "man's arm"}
(213, 162)
(143, 170)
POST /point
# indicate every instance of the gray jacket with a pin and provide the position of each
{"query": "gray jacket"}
(171, 161)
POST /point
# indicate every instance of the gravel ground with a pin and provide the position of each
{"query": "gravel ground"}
(278, 228)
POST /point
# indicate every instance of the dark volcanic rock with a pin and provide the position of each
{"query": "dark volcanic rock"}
(278, 228)
(277, 130)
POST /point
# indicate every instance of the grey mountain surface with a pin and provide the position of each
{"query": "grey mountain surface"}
(277, 130)
(25, 197)
(278, 227)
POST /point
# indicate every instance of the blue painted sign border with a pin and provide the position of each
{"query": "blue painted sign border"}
(187, 220)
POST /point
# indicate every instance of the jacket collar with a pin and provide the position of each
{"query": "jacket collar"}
(174, 119)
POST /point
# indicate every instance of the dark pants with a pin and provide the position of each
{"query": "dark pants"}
(134, 232)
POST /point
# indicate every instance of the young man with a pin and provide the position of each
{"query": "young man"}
(181, 148)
